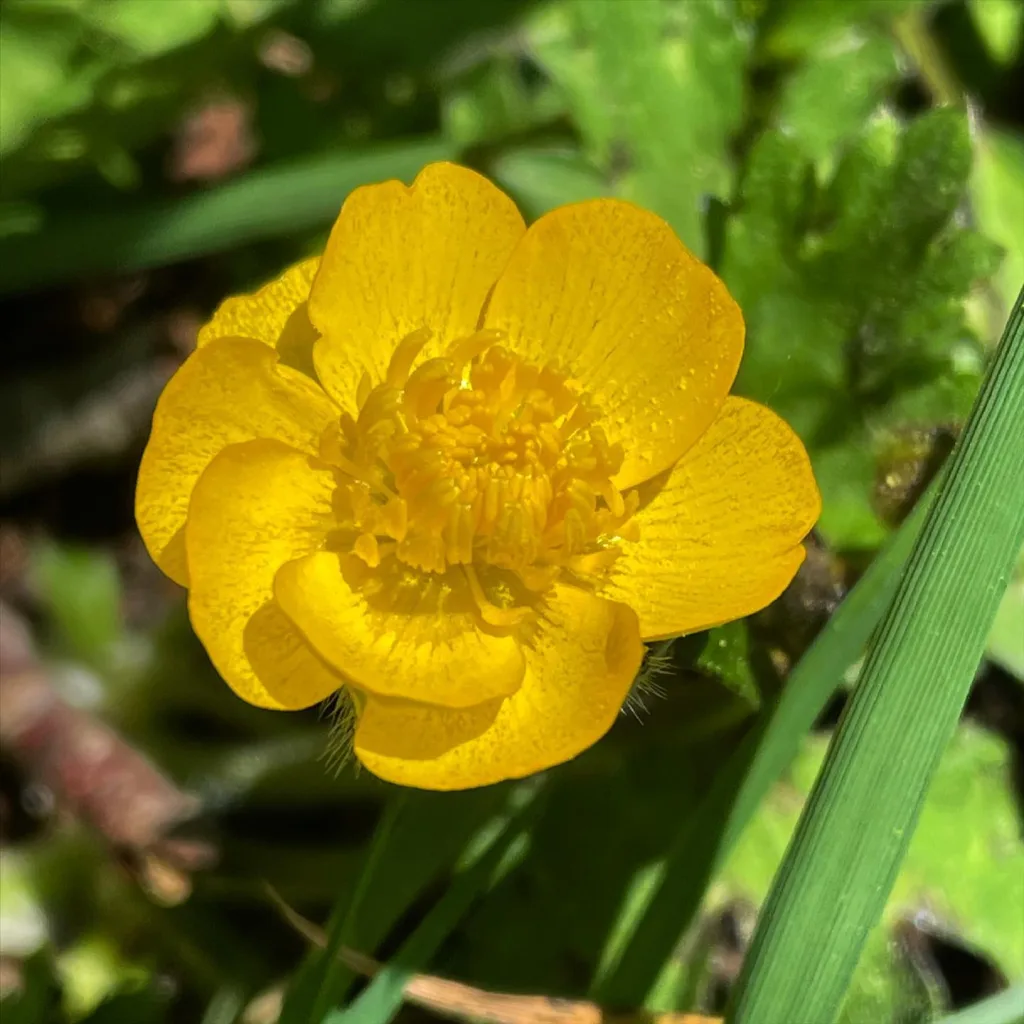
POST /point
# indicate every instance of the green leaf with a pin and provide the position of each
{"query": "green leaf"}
(999, 25)
(38, 1001)
(853, 292)
(997, 191)
(629, 71)
(323, 978)
(726, 656)
(806, 26)
(150, 29)
(82, 587)
(37, 83)
(431, 832)
(495, 101)
(541, 179)
(495, 851)
(830, 96)
(265, 204)
(824, 901)
(146, 1006)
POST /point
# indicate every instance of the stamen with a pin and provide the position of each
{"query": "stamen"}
(478, 459)
(405, 355)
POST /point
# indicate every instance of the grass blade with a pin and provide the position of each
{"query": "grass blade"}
(489, 857)
(852, 835)
(650, 928)
(322, 979)
(263, 204)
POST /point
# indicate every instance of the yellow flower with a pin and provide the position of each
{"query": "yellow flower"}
(464, 469)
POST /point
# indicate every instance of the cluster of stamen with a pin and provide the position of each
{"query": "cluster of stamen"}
(479, 459)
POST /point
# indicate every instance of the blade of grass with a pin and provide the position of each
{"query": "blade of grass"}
(487, 859)
(1005, 1008)
(852, 835)
(667, 895)
(263, 204)
(321, 981)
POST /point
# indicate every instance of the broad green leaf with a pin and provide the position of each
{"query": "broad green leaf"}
(38, 82)
(495, 101)
(999, 24)
(656, 90)
(100, 984)
(246, 13)
(541, 179)
(829, 97)
(799, 27)
(148, 29)
(997, 191)
(24, 927)
(726, 656)
(853, 293)
(82, 588)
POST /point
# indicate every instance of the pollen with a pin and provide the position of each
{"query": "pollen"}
(481, 460)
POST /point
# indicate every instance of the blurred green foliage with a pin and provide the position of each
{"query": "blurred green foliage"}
(862, 195)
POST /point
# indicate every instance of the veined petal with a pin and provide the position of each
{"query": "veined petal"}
(397, 632)
(257, 506)
(580, 666)
(606, 290)
(276, 314)
(720, 537)
(229, 391)
(403, 258)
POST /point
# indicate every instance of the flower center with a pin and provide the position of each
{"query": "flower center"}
(480, 459)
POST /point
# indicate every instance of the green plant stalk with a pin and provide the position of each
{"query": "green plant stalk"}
(496, 850)
(321, 981)
(642, 941)
(852, 835)
(263, 204)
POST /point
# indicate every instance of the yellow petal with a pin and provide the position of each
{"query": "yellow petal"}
(257, 506)
(580, 666)
(720, 537)
(606, 289)
(230, 390)
(400, 259)
(396, 632)
(276, 314)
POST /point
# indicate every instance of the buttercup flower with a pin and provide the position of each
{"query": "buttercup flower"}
(465, 469)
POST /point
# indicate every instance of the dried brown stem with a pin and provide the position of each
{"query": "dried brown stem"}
(91, 770)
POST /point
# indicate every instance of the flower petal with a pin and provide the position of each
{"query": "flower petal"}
(400, 259)
(276, 314)
(606, 290)
(720, 537)
(257, 506)
(580, 666)
(230, 390)
(397, 632)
